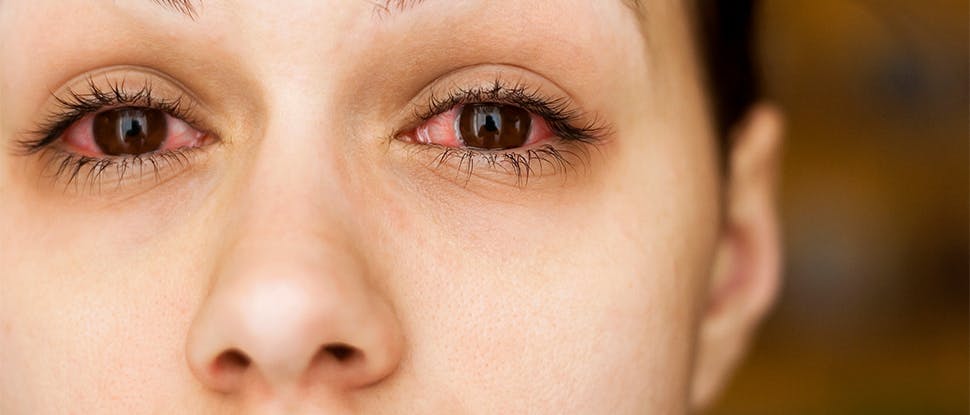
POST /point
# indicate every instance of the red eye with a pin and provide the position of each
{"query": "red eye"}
(485, 126)
(130, 131)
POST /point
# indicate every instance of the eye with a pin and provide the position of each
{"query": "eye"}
(130, 131)
(484, 126)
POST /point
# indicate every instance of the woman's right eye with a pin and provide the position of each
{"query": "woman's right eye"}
(130, 131)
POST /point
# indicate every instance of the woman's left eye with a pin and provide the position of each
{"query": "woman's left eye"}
(130, 131)
(482, 126)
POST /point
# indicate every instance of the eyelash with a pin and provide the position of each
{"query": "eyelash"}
(70, 166)
(574, 137)
(77, 105)
(571, 149)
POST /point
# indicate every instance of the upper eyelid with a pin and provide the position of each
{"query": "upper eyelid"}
(499, 90)
(126, 78)
(119, 93)
(497, 77)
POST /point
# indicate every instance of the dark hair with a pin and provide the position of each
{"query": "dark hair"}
(726, 37)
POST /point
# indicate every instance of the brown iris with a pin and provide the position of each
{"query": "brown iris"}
(129, 130)
(494, 126)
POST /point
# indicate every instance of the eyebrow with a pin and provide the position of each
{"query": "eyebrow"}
(185, 7)
(388, 7)
(384, 7)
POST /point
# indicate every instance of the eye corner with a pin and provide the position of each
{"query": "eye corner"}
(31, 143)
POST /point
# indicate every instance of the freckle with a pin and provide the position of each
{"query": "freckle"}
(7, 328)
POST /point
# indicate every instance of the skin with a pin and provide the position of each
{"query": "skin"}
(628, 285)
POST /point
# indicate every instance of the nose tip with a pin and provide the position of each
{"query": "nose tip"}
(293, 331)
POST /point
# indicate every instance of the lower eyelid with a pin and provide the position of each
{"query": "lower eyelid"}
(116, 175)
(541, 166)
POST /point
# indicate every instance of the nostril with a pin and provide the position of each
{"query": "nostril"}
(341, 352)
(231, 360)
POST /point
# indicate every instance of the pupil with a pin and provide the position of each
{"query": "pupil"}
(131, 126)
(490, 124)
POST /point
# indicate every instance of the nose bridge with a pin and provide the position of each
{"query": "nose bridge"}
(296, 172)
(296, 164)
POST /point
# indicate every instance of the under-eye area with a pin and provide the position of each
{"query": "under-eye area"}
(511, 167)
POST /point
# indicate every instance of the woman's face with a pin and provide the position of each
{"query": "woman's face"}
(340, 207)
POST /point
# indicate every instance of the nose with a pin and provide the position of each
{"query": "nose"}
(279, 318)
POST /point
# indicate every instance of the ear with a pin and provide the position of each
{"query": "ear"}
(745, 276)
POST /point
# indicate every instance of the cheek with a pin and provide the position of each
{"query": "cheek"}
(585, 300)
(96, 314)
(123, 345)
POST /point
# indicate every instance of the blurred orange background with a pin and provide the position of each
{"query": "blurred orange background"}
(873, 318)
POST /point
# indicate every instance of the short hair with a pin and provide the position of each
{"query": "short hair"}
(725, 34)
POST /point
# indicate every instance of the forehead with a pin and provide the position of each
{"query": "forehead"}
(212, 24)
(233, 20)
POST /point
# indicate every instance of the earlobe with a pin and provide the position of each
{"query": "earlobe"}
(745, 276)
